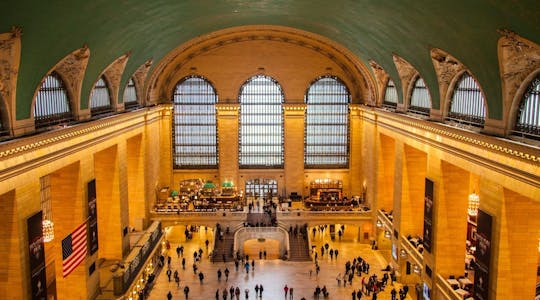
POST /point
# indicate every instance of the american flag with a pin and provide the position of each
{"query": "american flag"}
(74, 249)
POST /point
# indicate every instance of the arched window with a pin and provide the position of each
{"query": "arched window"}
(130, 95)
(100, 100)
(327, 124)
(194, 124)
(390, 94)
(467, 104)
(52, 103)
(420, 98)
(261, 123)
(528, 120)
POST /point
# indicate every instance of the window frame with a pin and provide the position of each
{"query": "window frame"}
(325, 127)
(101, 111)
(174, 125)
(421, 110)
(389, 104)
(531, 131)
(466, 119)
(129, 105)
(49, 93)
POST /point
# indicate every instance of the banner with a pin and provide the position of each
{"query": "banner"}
(36, 250)
(92, 217)
(482, 256)
(428, 216)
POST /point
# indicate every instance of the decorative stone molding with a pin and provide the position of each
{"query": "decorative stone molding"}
(446, 68)
(519, 58)
(113, 73)
(162, 77)
(382, 78)
(406, 73)
(294, 109)
(139, 77)
(227, 109)
(71, 69)
(10, 54)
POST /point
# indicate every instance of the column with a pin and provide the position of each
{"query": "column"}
(227, 121)
(294, 147)
(138, 209)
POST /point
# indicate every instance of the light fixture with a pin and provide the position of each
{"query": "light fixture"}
(379, 223)
(474, 203)
(387, 234)
(48, 230)
(402, 253)
(416, 269)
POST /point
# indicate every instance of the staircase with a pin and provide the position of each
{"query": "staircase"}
(259, 219)
(299, 248)
(223, 248)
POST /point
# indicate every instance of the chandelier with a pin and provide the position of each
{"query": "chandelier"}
(48, 230)
(474, 202)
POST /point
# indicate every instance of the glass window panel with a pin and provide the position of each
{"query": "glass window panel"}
(528, 120)
(195, 124)
(467, 103)
(52, 103)
(130, 95)
(327, 124)
(100, 100)
(390, 94)
(420, 98)
(261, 123)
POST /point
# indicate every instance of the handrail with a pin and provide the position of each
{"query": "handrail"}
(446, 289)
(412, 251)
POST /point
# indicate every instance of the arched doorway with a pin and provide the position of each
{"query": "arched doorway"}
(258, 247)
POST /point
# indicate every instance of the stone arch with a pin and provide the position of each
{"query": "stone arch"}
(516, 72)
(452, 87)
(274, 233)
(10, 53)
(406, 73)
(179, 61)
(446, 68)
(381, 77)
(139, 77)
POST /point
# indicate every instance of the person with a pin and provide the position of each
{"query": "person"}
(359, 294)
(168, 261)
(217, 294)
(186, 291)
(338, 278)
(169, 274)
(177, 280)
(336, 252)
(169, 295)
(261, 289)
(225, 294)
(201, 277)
(178, 251)
(253, 265)
(206, 243)
(226, 274)
(219, 274)
(353, 295)
(393, 293)
(256, 290)
(237, 293)
(291, 292)
(286, 290)
(183, 263)
(247, 293)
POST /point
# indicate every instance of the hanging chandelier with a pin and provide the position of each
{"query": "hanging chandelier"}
(48, 230)
(474, 203)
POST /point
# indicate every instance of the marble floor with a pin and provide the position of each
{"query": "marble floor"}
(273, 274)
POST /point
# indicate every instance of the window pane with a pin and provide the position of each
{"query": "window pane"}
(327, 124)
(130, 95)
(420, 98)
(195, 124)
(261, 123)
(528, 121)
(52, 103)
(100, 101)
(467, 104)
(390, 94)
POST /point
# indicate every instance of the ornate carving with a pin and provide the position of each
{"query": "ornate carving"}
(113, 73)
(382, 77)
(446, 67)
(518, 58)
(10, 47)
(140, 76)
(406, 73)
(72, 69)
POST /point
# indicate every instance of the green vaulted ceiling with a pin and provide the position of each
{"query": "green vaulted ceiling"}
(372, 29)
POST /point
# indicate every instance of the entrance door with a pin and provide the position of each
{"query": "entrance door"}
(261, 187)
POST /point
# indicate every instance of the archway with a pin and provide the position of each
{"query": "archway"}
(262, 248)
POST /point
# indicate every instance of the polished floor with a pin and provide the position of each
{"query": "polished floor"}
(273, 274)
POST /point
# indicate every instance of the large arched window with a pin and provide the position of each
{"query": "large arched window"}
(261, 123)
(390, 94)
(420, 98)
(528, 119)
(100, 100)
(467, 104)
(327, 124)
(194, 124)
(130, 95)
(52, 105)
